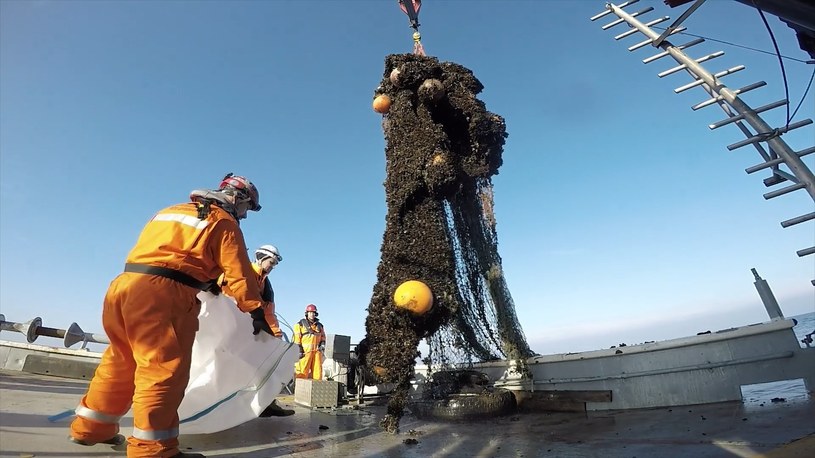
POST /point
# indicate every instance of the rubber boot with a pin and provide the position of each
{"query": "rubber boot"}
(115, 440)
(275, 410)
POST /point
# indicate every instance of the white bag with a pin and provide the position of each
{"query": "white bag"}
(234, 375)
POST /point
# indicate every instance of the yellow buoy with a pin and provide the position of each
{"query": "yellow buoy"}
(414, 296)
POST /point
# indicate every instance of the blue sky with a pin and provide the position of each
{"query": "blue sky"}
(621, 216)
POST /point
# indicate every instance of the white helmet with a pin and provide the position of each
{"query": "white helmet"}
(268, 251)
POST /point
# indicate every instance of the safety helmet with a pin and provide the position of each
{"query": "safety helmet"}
(268, 251)
(312, 308)
(243, 187)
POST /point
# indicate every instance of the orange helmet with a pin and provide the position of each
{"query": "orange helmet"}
(244, 187)
(311, 308)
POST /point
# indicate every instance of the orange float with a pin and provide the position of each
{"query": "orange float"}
(382, 103)
(380, 371)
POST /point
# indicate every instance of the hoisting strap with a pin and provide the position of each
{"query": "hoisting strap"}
(172, 274)
(418, 49)
(307, 326)
(411, 8)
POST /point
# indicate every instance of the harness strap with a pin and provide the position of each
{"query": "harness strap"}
(204, 208)
(172, 274)
(267, 293)
(305, 324)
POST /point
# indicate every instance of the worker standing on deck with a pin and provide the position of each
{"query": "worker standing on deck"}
(310, 335)
(150, 315)
(267, 257)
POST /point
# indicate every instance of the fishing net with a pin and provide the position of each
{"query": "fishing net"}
(443, 147)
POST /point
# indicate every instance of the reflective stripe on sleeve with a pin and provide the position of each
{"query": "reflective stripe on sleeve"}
(155, 435)
(85, 412)
(183, 219)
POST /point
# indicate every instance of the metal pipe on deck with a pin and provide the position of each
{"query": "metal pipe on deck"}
(33, 329)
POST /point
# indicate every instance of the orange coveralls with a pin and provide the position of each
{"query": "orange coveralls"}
(151, 322)
(268, 302)
(309, 336)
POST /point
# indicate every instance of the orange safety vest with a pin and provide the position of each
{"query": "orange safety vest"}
(309, 335)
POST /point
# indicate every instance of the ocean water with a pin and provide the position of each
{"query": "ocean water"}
(788, 390)
(806, 325)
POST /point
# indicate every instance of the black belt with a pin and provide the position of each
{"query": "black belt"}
(172, 274)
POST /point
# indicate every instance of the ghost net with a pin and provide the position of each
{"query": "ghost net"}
(443, 147)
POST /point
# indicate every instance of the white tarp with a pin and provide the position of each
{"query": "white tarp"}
(234, 375)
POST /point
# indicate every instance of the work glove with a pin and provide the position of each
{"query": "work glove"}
(259, 322)
(302, 352)
(214, 288)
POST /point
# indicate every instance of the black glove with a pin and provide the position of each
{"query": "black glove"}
(302, 352)
(214, 288)
(259, 322)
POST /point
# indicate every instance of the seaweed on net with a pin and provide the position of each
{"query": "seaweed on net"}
(443, 147)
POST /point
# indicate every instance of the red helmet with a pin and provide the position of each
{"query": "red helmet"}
(311, 308)
(244, 186)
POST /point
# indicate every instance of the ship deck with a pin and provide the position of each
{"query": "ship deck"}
(31, 426)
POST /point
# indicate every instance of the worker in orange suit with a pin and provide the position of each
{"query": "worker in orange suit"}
(267, 257)
(150, 316)
(310, 335)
